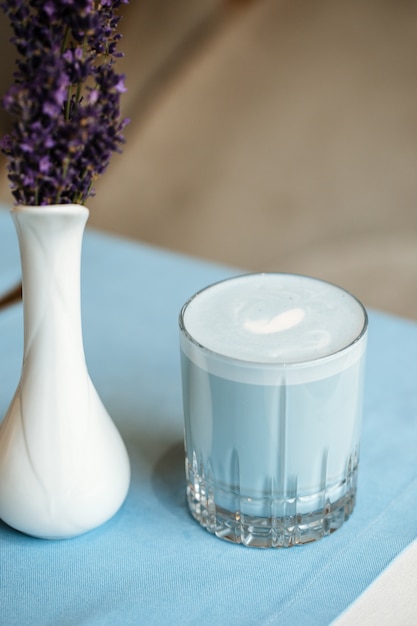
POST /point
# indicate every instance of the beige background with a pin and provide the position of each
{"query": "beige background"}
(272, 135)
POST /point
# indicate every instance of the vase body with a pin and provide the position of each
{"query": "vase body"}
(64, 469)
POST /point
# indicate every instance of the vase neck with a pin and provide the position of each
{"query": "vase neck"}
(50, 248)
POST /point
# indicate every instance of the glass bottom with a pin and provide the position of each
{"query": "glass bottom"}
(274, 531)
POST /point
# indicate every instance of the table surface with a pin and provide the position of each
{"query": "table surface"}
(152, 563)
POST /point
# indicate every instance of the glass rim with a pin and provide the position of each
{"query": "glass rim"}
(268, 364)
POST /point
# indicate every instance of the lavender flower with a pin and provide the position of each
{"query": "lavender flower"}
(65, 100)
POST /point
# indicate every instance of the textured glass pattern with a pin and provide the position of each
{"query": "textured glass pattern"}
(285, 526)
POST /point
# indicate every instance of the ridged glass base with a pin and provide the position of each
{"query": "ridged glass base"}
(274, 531)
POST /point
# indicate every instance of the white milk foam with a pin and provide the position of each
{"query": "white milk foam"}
(274, 318)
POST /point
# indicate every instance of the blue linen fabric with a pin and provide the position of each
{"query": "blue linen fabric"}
(152, 564)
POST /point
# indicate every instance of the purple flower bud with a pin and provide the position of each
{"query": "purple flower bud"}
(49, 9)
(120, 85)
(44, 164)
(51, 109)
(93, 96)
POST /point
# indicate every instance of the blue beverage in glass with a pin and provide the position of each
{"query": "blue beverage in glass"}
(272, 370)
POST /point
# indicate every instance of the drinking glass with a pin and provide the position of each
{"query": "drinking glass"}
(272, 376)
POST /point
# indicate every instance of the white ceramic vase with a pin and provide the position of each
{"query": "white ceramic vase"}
(64, 469)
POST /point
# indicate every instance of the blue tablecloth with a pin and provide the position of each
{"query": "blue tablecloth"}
(152, 563)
